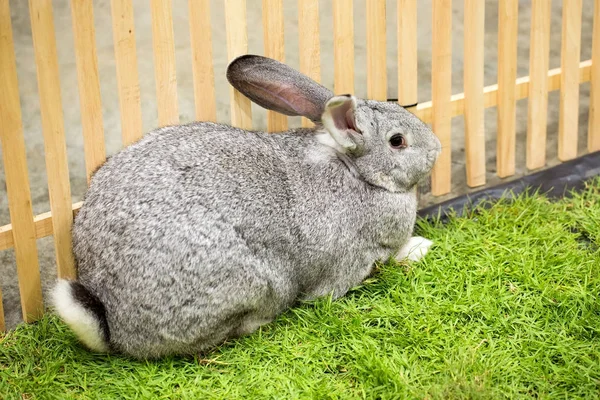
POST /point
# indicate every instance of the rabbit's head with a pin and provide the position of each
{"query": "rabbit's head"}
(385, 144)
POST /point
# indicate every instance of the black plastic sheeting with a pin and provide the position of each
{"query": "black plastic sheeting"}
(554, 182)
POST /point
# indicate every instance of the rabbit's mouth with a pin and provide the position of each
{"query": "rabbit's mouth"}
(432, 157)
(386, 182)
(396, 181)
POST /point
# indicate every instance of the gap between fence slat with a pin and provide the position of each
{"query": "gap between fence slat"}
(376, 51)
(89, 85)
(237, 45)
(272, 14)
(44, 43)
(473, 82)
(539, 55)
(343, 49)
(164, 62)
(309, 46)
(43, 222)
(407, 53)
(2, 322)
(127, 72)
(441, 76)
(202, 71)
(17, 181)
(594, 123)
(508, 12)
(568, 123)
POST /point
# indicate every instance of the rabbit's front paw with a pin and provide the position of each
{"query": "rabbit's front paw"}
(414, 249)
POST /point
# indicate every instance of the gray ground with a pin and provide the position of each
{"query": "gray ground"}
(62, 16)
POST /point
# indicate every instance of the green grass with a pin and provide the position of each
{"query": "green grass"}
(506, 305)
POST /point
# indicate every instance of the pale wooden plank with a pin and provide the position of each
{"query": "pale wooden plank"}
(309, 46)
(490, 93)
(272, 14)
(594, 118)
(407, 53)
(127, 72)
(237, 45)
(6, 234)
(201, 41)
(17, 181)
(44, 43)
(568, 123)
(376, 50)
(164, 62)
(473, 82)
(508, 11)
(441, 75)
(89, 85)
(343, 49)
(42, 223)
(539, 56)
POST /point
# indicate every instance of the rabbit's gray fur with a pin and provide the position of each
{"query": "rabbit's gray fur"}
(203, 232)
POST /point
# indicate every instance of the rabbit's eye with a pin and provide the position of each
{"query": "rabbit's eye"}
(398, 141)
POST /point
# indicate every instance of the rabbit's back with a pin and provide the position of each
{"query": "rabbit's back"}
(180, 196)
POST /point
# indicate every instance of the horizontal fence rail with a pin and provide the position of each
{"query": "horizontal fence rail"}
(25, 228)
(43, 222)
(490, 93)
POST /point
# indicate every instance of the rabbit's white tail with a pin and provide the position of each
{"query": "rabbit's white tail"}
(83, 312)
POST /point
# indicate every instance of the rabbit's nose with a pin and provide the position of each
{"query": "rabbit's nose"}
(432, 155)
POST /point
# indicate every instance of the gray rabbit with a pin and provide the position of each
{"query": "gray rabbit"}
(203, 232)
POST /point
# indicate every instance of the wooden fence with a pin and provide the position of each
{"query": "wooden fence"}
(26, 227)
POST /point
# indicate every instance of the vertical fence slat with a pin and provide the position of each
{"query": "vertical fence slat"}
(407, 53)
(309, 47)
(127, 72)
(508, 11)
(201, 41)
(568, 123)
(164, 62)
(539, 55)
(343, 46)
(17, 181)
(376, 51)
(89, 84)
(44, 43)
(237, 45)
(594, 125)
(272, 11)
(441, 75)
(473, 81)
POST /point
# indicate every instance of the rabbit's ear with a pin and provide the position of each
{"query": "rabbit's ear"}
(340, 122)
(277, 87)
